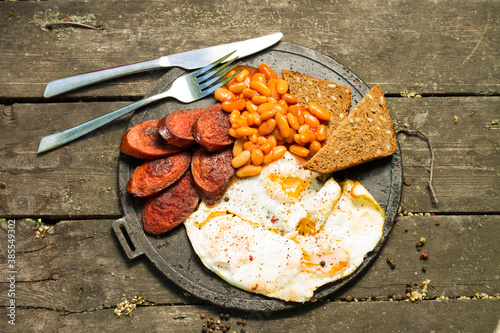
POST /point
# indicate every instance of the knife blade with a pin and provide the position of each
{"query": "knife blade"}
(187, 60)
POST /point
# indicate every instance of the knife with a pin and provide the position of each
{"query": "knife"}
(187, 60)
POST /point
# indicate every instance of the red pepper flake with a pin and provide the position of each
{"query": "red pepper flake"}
(251, 257)
(273, 220)
(424, 256)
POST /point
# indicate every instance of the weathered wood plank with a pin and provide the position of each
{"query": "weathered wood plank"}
(66, 182)
(80, 266)
(428, 316)
(437, 48)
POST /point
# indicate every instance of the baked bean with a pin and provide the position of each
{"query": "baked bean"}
(233, 117)
(272, 100)
(279, 152)
(304, 137)
(259, 77)
(268, 158)
(259, 99)
(257, 121)
(241, 159)
(281, 86)
(299, 150)
(311, 120)
(267, 127)
(249, 93)
(314, 147)
(267, 71)
(289, 139)
(253, 138)
(251, 107)
(267, 115)
(222, 94)
(272, 140)
(266, 148)
(292, 120)
(245, 131)
(283, 104)
(261, 140)
(232, 132)
(260, 87)
(248, 171)
(277, 134)
(238, 146)
(237, 87)
(257, 157)
(230, 82)
(321, 133)
(242, 75)
(318, 111)
(270, 106)
(250, 146)
(304, 128)
(282, 124)
(272, 84)
(251, 118)
(289, 98)
(296, 139)
(233, 104)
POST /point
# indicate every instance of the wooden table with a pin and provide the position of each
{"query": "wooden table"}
(438, 63)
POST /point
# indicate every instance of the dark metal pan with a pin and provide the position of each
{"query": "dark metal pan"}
(172, 253)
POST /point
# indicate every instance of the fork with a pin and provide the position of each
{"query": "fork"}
(187, 88)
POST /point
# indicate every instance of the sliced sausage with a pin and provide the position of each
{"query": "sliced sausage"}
(211, 129)
(169, 208)
(143, 141)
(212, 172)
(153, 176)
(177, 127)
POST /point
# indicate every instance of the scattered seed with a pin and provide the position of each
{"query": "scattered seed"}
(424, 256)
(348, 298)
(424, 269)
(202, 316)
(390, 295)
(3, 184)
(406, 229)
(227, 316)
(437, 223)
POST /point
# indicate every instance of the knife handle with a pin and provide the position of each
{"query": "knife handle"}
(66, 84)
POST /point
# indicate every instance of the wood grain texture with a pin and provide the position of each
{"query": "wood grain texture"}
(429, 316)
(81, 267)
(445, 47)
(64, 183)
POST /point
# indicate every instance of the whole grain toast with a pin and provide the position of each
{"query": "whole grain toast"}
(334, 98)
(365, 135)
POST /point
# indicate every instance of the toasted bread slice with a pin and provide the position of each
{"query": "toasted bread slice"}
(334, 98)
(365, 135)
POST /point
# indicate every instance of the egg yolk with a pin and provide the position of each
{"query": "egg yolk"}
(291, 185)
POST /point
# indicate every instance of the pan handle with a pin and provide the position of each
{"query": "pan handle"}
(123, 233)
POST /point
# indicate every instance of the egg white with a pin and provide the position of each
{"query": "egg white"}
(285, 232)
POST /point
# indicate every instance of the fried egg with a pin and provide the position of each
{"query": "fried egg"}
(286, 231)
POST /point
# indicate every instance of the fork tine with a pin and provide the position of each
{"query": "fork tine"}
(212, 65)
(220, 84)
(214, 77)
(211, 73)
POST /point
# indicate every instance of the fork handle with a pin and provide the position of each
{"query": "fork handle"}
(58, 139)
(66, 84)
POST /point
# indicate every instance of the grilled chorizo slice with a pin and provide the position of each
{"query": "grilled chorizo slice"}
(177, 127)
(143, 141)
(155, 175)
(212, 172)
(211, 129)
(169, 208)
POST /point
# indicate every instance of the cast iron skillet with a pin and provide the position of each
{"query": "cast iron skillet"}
(172, 253)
